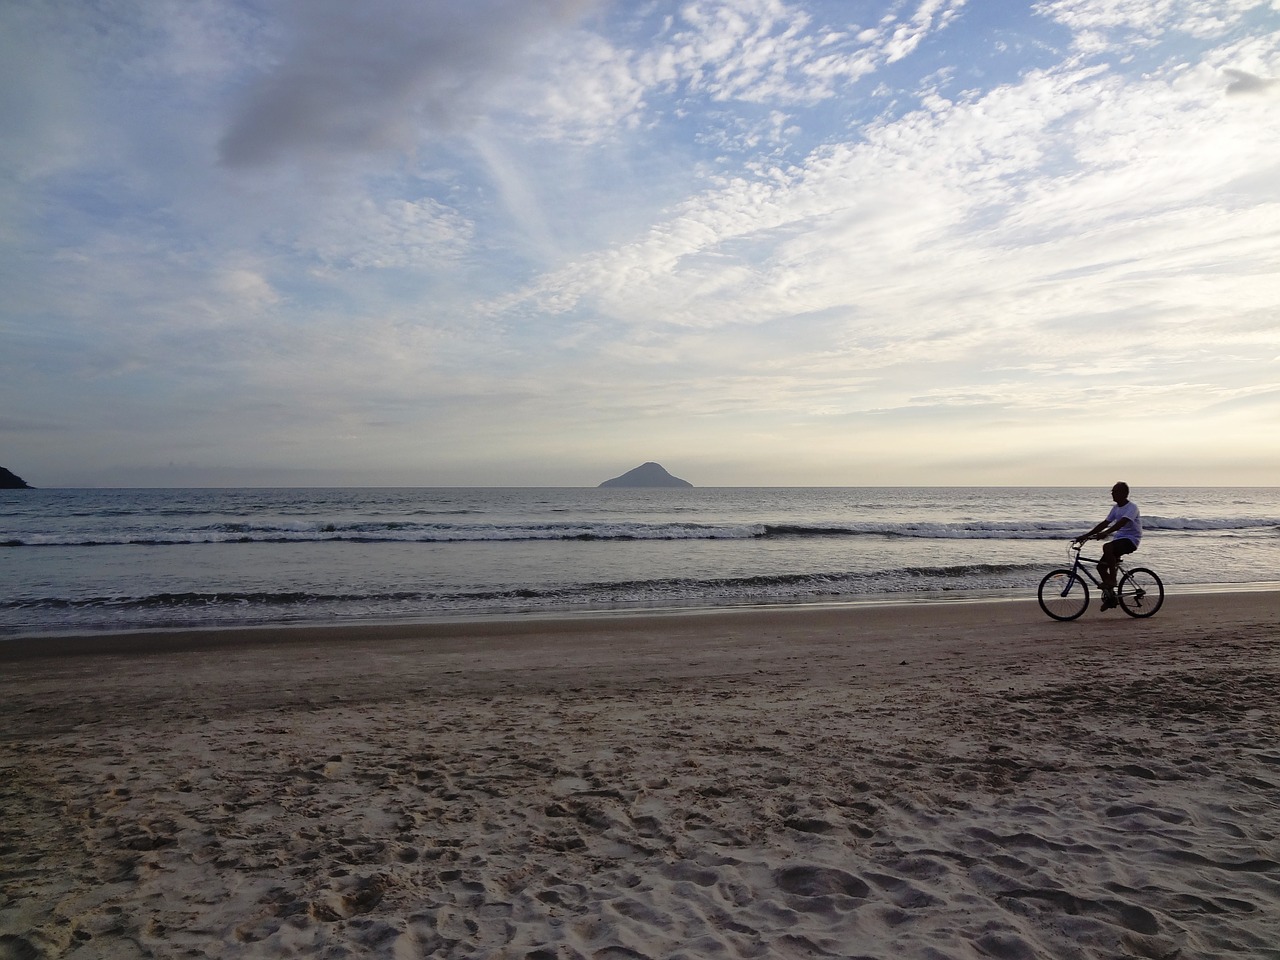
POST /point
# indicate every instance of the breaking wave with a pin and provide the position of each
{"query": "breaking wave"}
(407, 531)
(233, 606)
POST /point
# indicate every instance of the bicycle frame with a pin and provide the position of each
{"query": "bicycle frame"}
(1078, 567)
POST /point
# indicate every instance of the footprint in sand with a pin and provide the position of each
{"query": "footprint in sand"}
(811, 881)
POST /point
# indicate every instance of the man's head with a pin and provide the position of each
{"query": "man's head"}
(1120, 492)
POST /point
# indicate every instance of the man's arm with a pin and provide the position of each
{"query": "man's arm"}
(1100, 531)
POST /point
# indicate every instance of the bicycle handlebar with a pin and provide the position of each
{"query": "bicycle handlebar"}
(1077, 545)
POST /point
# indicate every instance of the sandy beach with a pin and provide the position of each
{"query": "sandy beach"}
(935, 780)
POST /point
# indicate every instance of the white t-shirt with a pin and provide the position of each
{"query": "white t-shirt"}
(1132, 529)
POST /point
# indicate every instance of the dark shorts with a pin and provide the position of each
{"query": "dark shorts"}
(1122, 545)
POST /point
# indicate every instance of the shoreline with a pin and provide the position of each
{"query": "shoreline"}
(893, 781)
(136, 637)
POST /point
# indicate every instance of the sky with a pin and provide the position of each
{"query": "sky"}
(539, 242)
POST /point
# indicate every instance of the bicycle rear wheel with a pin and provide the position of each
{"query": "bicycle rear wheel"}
(1141, 593)
(1063, 595)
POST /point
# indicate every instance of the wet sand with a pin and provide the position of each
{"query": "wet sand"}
(913, 781)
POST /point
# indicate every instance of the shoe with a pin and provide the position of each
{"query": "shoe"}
(1109, 601)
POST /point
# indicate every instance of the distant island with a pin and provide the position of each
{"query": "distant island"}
(647, 475)
(11, 481)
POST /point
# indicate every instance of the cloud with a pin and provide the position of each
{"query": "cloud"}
(393, 233)
(1245, 83)
(964, 234)
(931, 15)
(767, 51)
(1145, 21)
(581, 87)
(361, 77)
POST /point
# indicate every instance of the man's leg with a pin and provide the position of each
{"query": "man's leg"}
(1107, 566)
(1107, 569)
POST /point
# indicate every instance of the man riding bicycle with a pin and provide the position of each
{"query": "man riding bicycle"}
(1125, 523)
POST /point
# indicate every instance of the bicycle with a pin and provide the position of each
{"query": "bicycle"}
(1064, 594)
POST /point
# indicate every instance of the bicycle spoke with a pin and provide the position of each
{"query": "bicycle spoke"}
(1141, 593)
(1063, 595)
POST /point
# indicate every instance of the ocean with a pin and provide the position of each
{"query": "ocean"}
(91, 560)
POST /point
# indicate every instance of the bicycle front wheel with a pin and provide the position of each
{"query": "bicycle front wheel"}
(1141, 593)
(1063, 595)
